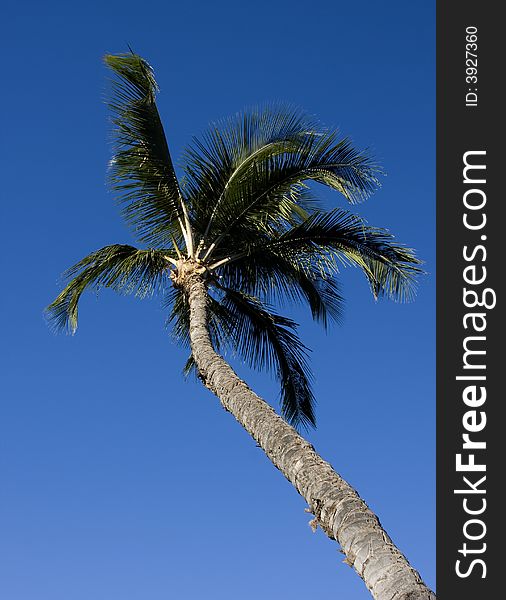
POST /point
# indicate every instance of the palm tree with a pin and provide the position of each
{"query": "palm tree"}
(242, 229)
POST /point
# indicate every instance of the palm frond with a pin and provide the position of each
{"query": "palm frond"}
(390, 268)
(231, 147)
(141, 170)
(267, 198)
(190, 367)
(269, 341)
(322, 242)
(176, 302)
(250, 173)
(123, 268)
(274, 277)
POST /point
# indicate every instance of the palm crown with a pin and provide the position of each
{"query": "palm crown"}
(244, 216)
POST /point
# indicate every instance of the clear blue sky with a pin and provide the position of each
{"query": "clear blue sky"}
(119, 480)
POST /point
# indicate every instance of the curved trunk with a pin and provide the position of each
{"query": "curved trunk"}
(336, 506)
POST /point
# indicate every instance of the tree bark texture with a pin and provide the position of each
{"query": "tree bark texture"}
(337, 507)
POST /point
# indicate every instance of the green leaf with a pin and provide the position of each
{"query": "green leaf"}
(250, 174)
(266, 340)
(317, 247)
(122, 268)
(141, 170)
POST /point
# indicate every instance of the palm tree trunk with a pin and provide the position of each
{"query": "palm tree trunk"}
(336, 506)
